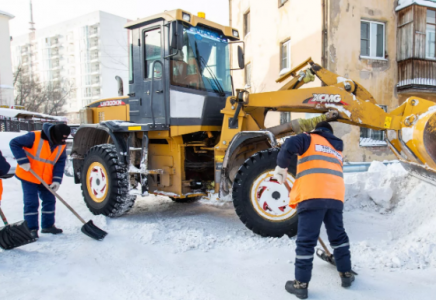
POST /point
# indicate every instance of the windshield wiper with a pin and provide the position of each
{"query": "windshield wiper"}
(201, 62)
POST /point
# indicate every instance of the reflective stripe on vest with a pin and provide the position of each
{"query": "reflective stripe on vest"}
(42, 160)
(319, 173)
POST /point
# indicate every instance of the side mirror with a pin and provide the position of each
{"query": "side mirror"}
(241, 58)
(176, 35)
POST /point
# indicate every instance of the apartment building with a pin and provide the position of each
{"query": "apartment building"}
(88, 51)
(6, 78)
(387, 46)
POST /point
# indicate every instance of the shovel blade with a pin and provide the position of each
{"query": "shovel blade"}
(93, 231)
(15, 235)
(328, 258)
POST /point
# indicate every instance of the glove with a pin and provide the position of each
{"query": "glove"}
(55, 186)
(25, 167)
(280, 174)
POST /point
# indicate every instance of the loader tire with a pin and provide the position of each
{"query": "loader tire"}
(104, 182)
(260, 202)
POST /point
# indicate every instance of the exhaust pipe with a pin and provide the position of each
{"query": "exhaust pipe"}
(120, 86)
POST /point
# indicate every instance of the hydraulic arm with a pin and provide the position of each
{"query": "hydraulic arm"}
(410, 128)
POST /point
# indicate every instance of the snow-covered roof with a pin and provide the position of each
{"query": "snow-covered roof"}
(404, 3)
(4, 13)
(14, 113)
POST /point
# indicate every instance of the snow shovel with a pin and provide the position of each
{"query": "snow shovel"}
(88, 228)
(325, 255)
(14, 235)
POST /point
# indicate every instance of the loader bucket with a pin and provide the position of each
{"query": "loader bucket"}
(430, 137)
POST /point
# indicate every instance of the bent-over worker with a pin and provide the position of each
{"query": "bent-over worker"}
(43, 152)
(318, 194)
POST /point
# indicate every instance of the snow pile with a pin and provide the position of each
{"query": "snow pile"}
(378, 189)
(408, 212)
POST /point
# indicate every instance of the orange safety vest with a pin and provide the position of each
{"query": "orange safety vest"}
(319, 173)
(42, 160)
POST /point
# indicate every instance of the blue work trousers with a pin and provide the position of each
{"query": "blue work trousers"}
(309, 225)
(31, 191)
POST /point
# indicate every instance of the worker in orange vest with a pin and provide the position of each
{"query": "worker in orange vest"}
(318, 195)
(43, 152)
(4, 169)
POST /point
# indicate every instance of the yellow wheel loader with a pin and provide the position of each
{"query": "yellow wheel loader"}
(183, 131)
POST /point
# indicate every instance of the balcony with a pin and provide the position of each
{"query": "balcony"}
(416, 52)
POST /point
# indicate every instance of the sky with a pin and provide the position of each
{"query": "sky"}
(51, 12)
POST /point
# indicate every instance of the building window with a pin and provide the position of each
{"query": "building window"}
(281, 2)
(285, 117)
(430, 34)
(285, 57)
(247, 26)
(372, 40)
(248, 75)
(372, 138)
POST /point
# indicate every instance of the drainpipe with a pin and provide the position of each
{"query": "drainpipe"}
(324, 56)
(230, 24)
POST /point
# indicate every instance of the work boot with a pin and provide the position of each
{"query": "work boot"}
(52, 230)
(347, 278)
(299, 289)
(34, 234)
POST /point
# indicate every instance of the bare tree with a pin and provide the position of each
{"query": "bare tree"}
(48, 97)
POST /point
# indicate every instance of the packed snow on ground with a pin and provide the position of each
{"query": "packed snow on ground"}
(166, 250)
(201, 250)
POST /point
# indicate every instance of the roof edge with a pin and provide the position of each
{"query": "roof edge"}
(10, 16)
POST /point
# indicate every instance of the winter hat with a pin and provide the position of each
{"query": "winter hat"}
(60, 133)
(324, 126)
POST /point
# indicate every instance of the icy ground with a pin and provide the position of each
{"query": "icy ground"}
(164, 250)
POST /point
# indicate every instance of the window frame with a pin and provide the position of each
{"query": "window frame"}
(369, 40)
(144, 50)
(281, 4)
(247, 13)
(130, 47)
(385, 108)
(426, 33)
(285, 69)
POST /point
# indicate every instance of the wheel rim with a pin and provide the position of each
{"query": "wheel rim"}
(271, 199)
(97, 182)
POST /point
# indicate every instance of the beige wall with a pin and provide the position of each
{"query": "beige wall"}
(379, 77)
(299, 21)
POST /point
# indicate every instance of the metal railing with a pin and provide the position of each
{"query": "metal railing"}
(11, 125)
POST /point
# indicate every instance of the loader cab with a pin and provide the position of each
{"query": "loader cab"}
(179, 67)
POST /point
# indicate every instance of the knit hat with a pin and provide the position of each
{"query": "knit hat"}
(60, 133)
(324, 125)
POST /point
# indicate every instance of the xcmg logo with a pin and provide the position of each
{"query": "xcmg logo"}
(325, 98)
(111, 103)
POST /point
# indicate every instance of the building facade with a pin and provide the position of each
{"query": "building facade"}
(6, 77)
(378, 44)
(88, 52)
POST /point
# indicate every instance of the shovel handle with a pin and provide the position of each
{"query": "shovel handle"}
(324, 247)
(57, 196)
(3, 217)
